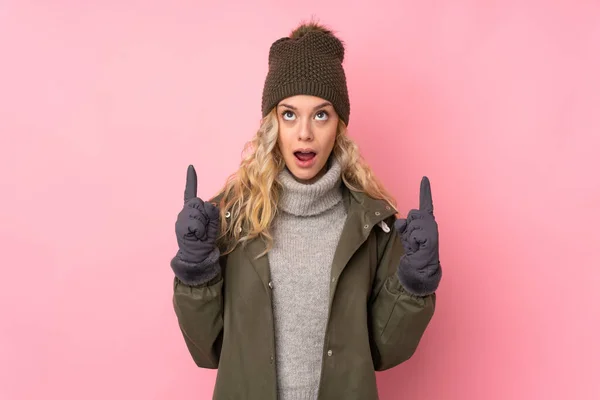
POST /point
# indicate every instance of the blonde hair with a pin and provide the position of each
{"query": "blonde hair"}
(249, 198)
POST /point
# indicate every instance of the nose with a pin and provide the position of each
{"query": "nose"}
(305, 132)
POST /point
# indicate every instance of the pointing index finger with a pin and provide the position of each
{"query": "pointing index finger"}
(425, 200)
(191, 184)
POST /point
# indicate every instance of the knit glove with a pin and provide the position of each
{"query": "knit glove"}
(420, 271)
(196, 229)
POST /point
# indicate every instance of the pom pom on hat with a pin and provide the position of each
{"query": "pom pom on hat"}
(304, 28)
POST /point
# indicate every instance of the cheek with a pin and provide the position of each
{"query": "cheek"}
(283, 140)
(331, 138)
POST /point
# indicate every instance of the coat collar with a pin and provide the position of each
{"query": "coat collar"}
(363, 215)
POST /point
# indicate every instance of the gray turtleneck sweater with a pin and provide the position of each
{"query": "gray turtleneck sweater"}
(306, 233)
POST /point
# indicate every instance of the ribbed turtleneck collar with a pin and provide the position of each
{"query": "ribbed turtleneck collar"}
(311, 199)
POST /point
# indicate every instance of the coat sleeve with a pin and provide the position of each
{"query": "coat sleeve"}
(198, 304)
(199, 311)
(398, 319)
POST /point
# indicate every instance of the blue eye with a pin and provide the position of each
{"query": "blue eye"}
(288, 115)
(322, 115)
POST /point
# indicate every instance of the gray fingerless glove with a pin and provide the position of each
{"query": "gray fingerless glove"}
(196, 229)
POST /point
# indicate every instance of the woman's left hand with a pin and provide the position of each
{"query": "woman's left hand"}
(420, 270)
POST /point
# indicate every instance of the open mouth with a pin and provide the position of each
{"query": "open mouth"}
(305, 156)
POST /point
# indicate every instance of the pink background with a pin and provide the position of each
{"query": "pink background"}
(102, 107)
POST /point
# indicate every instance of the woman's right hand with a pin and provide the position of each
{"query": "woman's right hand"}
(197, 224)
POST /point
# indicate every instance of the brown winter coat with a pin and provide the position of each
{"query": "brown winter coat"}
(373, 324)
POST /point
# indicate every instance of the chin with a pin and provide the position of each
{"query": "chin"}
(299, 173)
(303, 175)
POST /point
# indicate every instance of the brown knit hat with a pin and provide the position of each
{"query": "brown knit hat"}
(309, 62)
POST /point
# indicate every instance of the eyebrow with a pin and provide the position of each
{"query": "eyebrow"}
(296, 109)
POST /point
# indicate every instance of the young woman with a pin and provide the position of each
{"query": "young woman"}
(297, 281)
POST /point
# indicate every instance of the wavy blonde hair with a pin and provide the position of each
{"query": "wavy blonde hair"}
(249, 198)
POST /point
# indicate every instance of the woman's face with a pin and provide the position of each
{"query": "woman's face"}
(307, 130)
